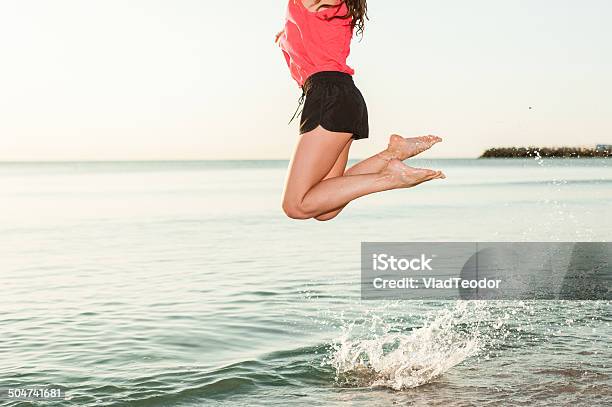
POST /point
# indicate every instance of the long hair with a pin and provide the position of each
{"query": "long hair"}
(357, 12)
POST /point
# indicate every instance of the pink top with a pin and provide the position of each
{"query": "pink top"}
(313, 44)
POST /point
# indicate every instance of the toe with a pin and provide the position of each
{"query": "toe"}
(426, 173)
(436, 175)
(431, 139)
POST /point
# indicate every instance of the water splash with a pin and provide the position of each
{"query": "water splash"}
(538, 157)
(378, 353)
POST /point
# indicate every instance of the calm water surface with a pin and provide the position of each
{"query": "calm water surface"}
(182, 284)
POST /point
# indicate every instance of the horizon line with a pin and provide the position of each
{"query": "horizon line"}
(144, 160)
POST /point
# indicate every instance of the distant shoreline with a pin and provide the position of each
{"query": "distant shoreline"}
(600, 151)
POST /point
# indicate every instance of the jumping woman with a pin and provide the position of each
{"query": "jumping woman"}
(316, 43)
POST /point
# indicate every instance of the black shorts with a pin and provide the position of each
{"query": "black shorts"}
(334, 102)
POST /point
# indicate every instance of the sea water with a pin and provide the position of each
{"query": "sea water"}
(183, 284)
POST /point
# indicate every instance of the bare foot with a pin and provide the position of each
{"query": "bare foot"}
(403, 176)
(403, 148)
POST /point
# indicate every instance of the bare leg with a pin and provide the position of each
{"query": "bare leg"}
(399, 148)
(308, 194)
(338, 170)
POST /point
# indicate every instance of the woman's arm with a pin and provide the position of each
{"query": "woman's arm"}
(317, 5)
(281, 32)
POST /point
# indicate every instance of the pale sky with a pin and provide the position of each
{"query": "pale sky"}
(195, 79)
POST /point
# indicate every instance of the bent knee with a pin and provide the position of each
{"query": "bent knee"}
(327, 216)
(295, 211)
